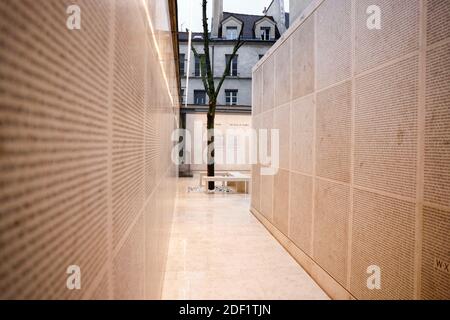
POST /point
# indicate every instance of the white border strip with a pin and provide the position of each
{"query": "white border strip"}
(158, 51)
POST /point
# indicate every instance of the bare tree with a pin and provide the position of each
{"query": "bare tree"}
(207, 75)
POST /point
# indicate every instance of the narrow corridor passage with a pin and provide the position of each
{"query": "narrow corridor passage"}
(218, 250)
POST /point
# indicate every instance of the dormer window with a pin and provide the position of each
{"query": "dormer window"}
(265, 33)
(232, 33)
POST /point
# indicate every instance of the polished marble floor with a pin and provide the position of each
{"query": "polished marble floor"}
(218, 250)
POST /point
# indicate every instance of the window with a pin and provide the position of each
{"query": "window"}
(232, 33)
(231, 97)
(265, 33)
(199, 97)
(233, 66)
(198, 66)
(182, 64)
(182, 96)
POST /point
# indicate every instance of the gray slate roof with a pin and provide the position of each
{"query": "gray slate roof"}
(249, 23)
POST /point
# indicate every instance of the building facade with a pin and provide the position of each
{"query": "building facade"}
(235, 98)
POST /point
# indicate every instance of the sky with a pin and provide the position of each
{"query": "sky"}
(239, 6)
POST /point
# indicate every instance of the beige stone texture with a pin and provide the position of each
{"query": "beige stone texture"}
(369, 171)
(300, 211)
(302, 135)
(282, 122)
(281, 201)
(333, 133)
(268, 84)
(399, 33)
(333, 61)
(303, 54)
(331, 224)
(383, 235)
(283, 75)
(86, 118)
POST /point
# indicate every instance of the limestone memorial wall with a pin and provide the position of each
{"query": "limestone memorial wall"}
(364, 122)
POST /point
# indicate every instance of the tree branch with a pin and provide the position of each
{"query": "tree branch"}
(209, 73)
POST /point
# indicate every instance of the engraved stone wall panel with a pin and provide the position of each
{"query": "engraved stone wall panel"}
(334, 42)
(256, 170)
(333, 131)
(266, 180)
(331, 220)
(73, 105)
(438, 20)
(267, 196)
(102, 290)
(268, 83)
(152, 149)
(435, 254)
(383, 235)
(152, 224)
(281, 201)
(169, 190)
(281, 122)
(128, 115)
(300, 211)
(303, 68)
(386, 128)
(265, 147)
(437, 126)
(369, 139)
(283, 74)
(302, 134)
(257, 94)
(152, 126)
(398, 35)
(129, 266)
(53, 141)
(256, 187)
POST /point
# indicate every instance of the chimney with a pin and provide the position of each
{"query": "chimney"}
(282, 14)
(217, 17)
(276, 10)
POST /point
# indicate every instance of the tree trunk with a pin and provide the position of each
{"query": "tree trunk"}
(207, 75)
(211, 150)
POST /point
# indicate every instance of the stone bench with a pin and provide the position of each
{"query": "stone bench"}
(234, 177)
